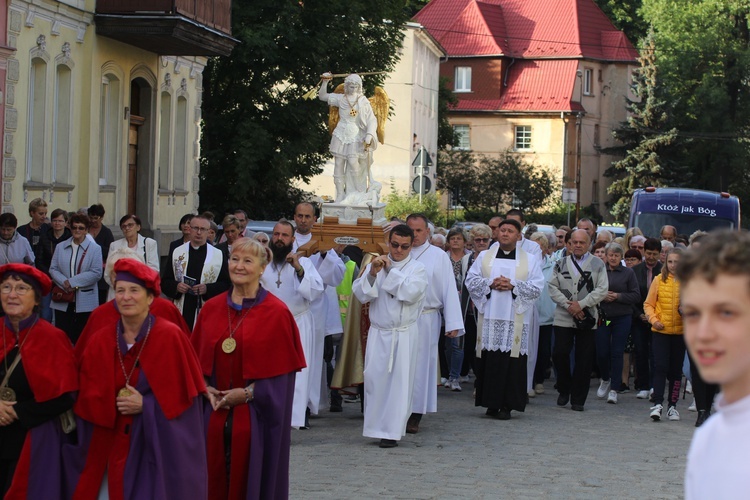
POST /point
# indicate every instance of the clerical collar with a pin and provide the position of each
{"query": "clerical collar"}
(192, 247)
(23, 324)
(400, 264)
(301, 239)
(247, 302)
(502, 254)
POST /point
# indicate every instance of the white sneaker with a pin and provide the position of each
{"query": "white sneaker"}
(692, 406)
(612, 398)
(689, 387)
(445, 382)
(656, 412)
(532, 394)
(539, 388)
(455, 385)
(642, 395)
(672, 414)
(463, 380)
(603, 388)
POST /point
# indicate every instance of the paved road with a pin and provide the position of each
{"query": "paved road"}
(608, 451)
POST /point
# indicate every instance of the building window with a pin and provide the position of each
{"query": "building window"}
(588, 81)
(180, 144)
(109, 129)
(461, 132)
(462, 81)
(37, 121)
(164, 129)
(523, 137)
(61, 124)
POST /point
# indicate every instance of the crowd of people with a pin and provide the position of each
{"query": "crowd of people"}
(183, 377)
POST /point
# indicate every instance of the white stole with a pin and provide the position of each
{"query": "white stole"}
(209, 273)
(522, 273)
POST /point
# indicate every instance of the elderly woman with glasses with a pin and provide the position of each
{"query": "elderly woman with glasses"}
(39, 377)
(76, 267)
(130, 225)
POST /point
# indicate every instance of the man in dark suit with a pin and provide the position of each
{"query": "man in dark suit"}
(645, 273)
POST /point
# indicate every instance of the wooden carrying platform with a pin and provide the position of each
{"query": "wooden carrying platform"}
(363, 234)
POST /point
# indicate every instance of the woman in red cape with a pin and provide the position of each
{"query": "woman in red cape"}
(139, 405)
(249, 349)
(38, 390)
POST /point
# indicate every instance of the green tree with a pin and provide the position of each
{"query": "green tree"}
(487, 185)
(703, 55)
(648, 142)
(259, 136)
(400, 205)
(626, 16)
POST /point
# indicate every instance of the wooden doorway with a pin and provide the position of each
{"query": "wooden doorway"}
(135, 123)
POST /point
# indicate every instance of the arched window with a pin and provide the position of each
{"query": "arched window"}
(109, 129)
(62, 124)
(165, 124)
(37, 120)
(181, 144)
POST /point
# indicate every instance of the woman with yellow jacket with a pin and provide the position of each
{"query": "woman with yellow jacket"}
(662, 306)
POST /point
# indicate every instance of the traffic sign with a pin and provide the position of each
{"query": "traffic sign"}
(424, 182)
(569, 195)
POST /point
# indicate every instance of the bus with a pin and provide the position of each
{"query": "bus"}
(688, 210)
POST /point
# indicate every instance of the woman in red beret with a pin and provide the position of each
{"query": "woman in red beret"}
(37, 380)
(139, 402)
(250, 352)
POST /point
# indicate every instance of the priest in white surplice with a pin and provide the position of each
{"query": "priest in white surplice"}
(394, 285)
(325, 308)
(504, 282)
(295, 281)
(196, 272)
(441, 295)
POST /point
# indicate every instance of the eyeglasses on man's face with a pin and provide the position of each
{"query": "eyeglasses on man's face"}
(396, 246)
(199, 229)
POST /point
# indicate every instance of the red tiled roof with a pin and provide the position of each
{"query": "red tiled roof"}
(545, 85)
(541, 85)
(528, 29)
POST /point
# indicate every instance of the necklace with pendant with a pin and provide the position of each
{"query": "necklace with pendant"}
(6, 393)
(230, 344)
(352, 111)
(278, 273)
(125, 392)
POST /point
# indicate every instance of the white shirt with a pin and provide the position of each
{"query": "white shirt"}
(441, 292)
(283, 282)
(717, 465)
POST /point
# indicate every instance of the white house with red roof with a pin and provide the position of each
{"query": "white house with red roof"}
(546, 78)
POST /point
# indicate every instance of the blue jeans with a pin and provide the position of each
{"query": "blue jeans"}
(610, 346)
(454, 353)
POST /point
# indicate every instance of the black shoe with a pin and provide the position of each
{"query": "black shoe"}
(307, 419)
(388, 443)
(624, 388)
(563, 399)
(503, 415)
(492, 412)
(336, 408)
(702, 417)
(576, 407)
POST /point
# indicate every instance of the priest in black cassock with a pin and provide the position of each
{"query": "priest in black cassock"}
(195, 272)
(504, 282)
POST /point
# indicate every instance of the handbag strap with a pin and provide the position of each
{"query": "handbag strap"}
(588, 283)
(10, 369)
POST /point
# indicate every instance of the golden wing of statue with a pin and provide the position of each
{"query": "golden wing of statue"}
(333, 111)
(380, 106)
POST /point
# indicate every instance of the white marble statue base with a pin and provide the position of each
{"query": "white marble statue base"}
(348, 214)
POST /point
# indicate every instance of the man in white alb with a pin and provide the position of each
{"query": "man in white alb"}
(504, 283)
(394, 285)
(295, 281)
(326, 307)
(441, 294)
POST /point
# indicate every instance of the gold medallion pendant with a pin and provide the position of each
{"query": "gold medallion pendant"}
(353, 112)
(8, 395)
(124, 392)
(229, 345)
